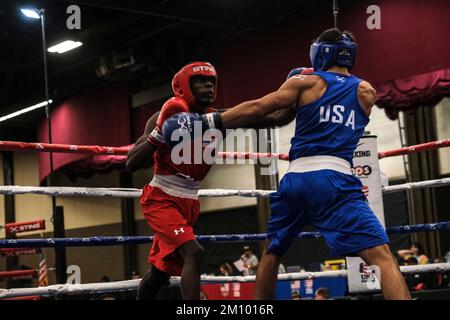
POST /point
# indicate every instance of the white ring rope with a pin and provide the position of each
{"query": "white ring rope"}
(136, 193)
(211, 193)
(72, 191)
(120, 192)
(59, 289)
(417, 185)
(128, 285)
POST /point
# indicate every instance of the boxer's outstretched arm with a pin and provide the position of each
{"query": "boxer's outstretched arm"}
(278, 118)
(141, 154)
(249, 112)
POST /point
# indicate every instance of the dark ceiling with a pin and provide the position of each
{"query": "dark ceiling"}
(161, 35)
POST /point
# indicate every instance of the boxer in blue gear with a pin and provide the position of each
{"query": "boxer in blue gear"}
(332, 108)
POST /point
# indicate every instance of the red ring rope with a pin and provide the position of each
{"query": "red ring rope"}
(101, 150)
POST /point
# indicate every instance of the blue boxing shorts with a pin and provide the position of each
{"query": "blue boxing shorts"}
(330, 201)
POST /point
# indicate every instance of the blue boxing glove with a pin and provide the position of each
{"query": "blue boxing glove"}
(189, 125)
(299, 71)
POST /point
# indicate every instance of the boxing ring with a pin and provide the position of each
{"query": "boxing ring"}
(120, 286)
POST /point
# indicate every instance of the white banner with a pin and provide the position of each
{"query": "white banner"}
(367, 168)
(363, 278)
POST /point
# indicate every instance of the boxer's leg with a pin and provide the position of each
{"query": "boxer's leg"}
(192, 253)
(266, 276)
(153, 280)
(392, 283)
(349, 226)
(288, 216)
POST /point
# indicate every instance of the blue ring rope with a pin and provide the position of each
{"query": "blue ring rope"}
(120, 240)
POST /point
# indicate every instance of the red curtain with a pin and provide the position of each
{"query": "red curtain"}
(105, 164)
(92, 118)
(87, 167)
(407, 94)
(412, 41)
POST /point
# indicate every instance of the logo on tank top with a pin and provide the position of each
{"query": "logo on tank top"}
(341, 79)
(336, 114)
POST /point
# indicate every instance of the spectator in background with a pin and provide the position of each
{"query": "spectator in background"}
(447, 256)
(250, 261)
(106, 279)
(439, 260)
(415, 251)
(135, 275)
(226, 270)
(295, 295)
(322, 294)
(411, 261)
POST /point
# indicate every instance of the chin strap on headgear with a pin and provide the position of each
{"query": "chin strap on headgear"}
(326, 54)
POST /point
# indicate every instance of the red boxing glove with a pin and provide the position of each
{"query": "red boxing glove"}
(171, 107)
(307, 70)
(299, 71)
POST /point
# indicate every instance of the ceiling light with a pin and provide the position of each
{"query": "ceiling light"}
(65, 46)
(25, 110)
(31, 13)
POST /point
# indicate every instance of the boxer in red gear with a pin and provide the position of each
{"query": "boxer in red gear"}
(170, 201)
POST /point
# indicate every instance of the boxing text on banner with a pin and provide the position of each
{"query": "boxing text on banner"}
(363, 278)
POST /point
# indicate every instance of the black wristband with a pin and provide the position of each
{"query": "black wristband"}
(213, 120)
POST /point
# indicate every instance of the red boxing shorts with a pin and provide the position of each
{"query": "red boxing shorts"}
(172, 220)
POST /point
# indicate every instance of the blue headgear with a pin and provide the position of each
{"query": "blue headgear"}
(325, 54)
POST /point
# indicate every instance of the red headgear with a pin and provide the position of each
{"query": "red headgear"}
(181, 82)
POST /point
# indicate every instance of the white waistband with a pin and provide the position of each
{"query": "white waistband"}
(315, 163)
(177, 186)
